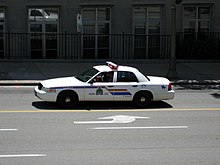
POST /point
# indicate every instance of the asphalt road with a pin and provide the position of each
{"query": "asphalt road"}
(183, 131)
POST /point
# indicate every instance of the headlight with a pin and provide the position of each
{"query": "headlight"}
(48, 90)
(51, 90)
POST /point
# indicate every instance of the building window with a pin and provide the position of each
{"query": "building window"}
(96, 29)
(43, 26)
(197, 19)
(2, 30)
(147, 28)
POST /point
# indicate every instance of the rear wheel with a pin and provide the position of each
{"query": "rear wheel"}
(142, 99)
(67, 99)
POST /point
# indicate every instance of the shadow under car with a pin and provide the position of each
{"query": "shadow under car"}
(95, 105)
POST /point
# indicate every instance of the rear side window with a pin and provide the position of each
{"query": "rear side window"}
(126, 77)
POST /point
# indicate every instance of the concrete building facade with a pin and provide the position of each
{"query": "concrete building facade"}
(104, 17)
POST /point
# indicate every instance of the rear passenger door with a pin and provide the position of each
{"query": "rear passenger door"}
(126, 86)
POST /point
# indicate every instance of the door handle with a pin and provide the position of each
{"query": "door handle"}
(134, 85)
(110, 86)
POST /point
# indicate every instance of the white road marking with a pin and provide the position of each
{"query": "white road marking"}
(22, 155)
(8, 129)
(115, 119)
(156, 127)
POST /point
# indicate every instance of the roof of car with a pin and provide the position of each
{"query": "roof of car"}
(114, 67)
(106, 68)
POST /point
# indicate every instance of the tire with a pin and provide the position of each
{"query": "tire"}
(67, 99)
(142, 99)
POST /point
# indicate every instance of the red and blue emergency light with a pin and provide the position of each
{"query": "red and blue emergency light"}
(112, 65)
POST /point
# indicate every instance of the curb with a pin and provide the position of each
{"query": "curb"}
(196, 82)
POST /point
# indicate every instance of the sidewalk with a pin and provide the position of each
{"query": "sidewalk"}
(30, 73)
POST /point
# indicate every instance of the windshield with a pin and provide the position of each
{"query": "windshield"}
(85, 76)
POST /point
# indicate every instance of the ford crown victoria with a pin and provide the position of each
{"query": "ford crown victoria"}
(109, 82)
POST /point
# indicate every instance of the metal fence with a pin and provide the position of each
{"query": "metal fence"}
(69, 46)
(198, 46)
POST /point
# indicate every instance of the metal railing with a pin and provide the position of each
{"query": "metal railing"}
(200, 46)
(68, 46)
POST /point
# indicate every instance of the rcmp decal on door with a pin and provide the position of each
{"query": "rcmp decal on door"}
(99, 91)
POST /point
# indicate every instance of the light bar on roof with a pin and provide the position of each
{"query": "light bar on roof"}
(112, 65)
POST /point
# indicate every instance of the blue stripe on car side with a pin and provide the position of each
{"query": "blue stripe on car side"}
(91, 87)
(75, 87)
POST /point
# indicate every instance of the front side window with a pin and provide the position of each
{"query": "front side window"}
(96, 29)
(43, 26)
(147, 28)
(105, 77)
(2, 30)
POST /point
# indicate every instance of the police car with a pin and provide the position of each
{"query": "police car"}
(109, 82)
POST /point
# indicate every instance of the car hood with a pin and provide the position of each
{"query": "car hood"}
(61, 82)
(158, 80)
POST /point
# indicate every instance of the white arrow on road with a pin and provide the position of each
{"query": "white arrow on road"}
(8, 129)
(155, 127)
(22, 155)
(113, 119)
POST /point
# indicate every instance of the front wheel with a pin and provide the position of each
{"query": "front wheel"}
(67, 99)
(142, 99)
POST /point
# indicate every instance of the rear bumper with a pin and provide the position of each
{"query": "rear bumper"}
(170, 95)
(164, 96)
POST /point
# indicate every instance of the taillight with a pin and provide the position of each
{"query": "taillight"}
(170, 87)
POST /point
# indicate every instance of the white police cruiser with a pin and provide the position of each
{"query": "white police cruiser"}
(109, 82)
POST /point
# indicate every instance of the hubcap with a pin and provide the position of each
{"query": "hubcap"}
(143, 99)
(67, 100)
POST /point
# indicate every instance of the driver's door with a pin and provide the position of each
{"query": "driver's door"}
(100, 88)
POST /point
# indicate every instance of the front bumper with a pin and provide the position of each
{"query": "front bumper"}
(44, 95)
